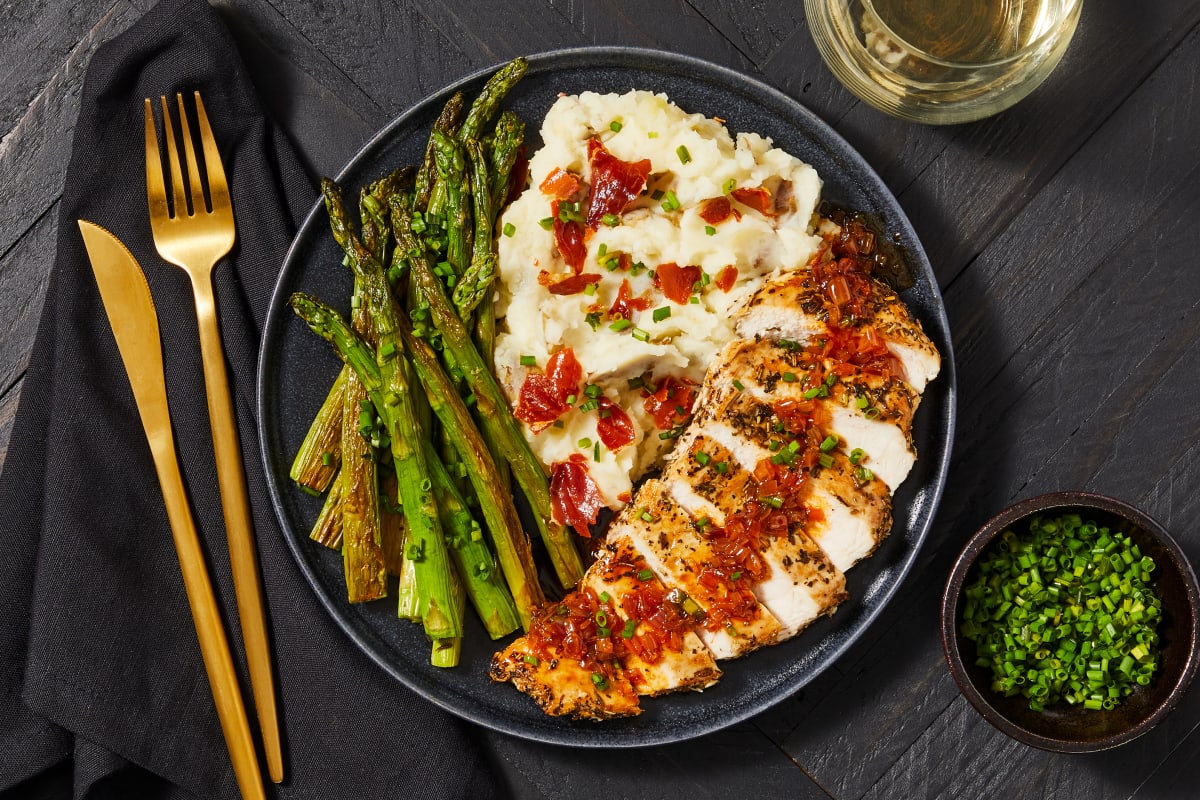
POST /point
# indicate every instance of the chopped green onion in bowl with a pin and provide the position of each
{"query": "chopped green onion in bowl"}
(1065, 612)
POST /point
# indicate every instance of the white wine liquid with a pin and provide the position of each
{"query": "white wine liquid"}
(967, 31)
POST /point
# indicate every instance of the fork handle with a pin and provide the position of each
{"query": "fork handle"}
(243, 554)
(206, 616)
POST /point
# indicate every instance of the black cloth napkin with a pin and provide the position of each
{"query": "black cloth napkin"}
(99, 663)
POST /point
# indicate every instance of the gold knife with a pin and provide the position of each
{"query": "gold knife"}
(130, 310)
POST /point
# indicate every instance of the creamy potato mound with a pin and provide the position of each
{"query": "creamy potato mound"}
(693, 159)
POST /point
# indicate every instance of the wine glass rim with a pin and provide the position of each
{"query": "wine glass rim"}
(1070, 8)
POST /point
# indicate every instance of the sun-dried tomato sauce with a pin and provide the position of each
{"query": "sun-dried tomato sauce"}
(845, 281)
(544, 395)
(675, 282)
(670, 404)
(598, 633)
(574, 497)
(615, 183)
(625, 303)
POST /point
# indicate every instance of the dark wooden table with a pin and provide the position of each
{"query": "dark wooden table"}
(1064, 234)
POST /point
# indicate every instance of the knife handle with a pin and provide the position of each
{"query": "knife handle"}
(239, 530)
(214, 647)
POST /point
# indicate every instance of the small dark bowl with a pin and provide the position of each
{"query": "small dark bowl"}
(1073, 729)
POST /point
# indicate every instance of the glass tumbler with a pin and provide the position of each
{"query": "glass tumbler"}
(942, 61)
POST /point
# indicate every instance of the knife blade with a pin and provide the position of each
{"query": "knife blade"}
(129, 306)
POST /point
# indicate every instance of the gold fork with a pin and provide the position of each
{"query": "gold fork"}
(196, 240)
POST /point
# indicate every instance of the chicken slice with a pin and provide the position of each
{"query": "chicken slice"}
(666, 536)
(867, 411)
(792, 307)
(563, 686)
(620, 574)
(802, 583)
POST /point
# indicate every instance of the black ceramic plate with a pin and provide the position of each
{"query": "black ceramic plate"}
(296, 368)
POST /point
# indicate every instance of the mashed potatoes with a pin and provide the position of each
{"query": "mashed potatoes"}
(641, 297)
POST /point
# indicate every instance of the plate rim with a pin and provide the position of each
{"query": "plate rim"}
(859, 171)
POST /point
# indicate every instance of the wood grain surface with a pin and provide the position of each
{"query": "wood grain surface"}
(1064, 234)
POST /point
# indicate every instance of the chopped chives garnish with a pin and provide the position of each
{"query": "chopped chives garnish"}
(611, 220)
(532, 661)
(857, 455)
(605, 597)
(615, 126)
(661, 313)
(584, 443)
(641, 335)
(684, 156)
(738, 385)
(651, 134)
(789, 377)
(825, 460)
(721, 467)
(702, 458)
(709, 230)
(590, 289)
(830, 442)
(509, 229)
(528, 361)
(1057, 614)
(630, 628)
(670, 202)
(620, 325)
(728, 186)
(645, 575)
(600, 681)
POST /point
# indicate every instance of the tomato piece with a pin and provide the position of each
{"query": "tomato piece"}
(543, 396)
(757, 198)
(613, 425)
(560, 184)
(615, 183)
(676, 282)
(716, 210)
(569, 236)
(625, 303)
(726, 278)
(574, 284)
(671, 404)
(574, 496)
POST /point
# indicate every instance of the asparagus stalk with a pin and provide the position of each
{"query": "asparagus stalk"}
(505, 147)
(493, 408)
(447, 123)
(362, 553)
(452, 175)
(393, 398)
(496, 504)
(319, 455)
(327, 530)
(488, 101)
(476, 282)
(473, 560)
(392, 531)
(446, 652)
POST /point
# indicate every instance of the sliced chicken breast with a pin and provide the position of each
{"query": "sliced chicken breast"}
(800, 582)
(794, 308)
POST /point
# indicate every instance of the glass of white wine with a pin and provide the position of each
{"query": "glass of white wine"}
(942, 61)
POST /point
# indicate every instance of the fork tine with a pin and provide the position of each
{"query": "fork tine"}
(218, 188)
(156, 190)
(181, 209)
(189, 152)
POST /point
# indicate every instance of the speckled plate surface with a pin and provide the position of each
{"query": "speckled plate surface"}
(296, 369)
